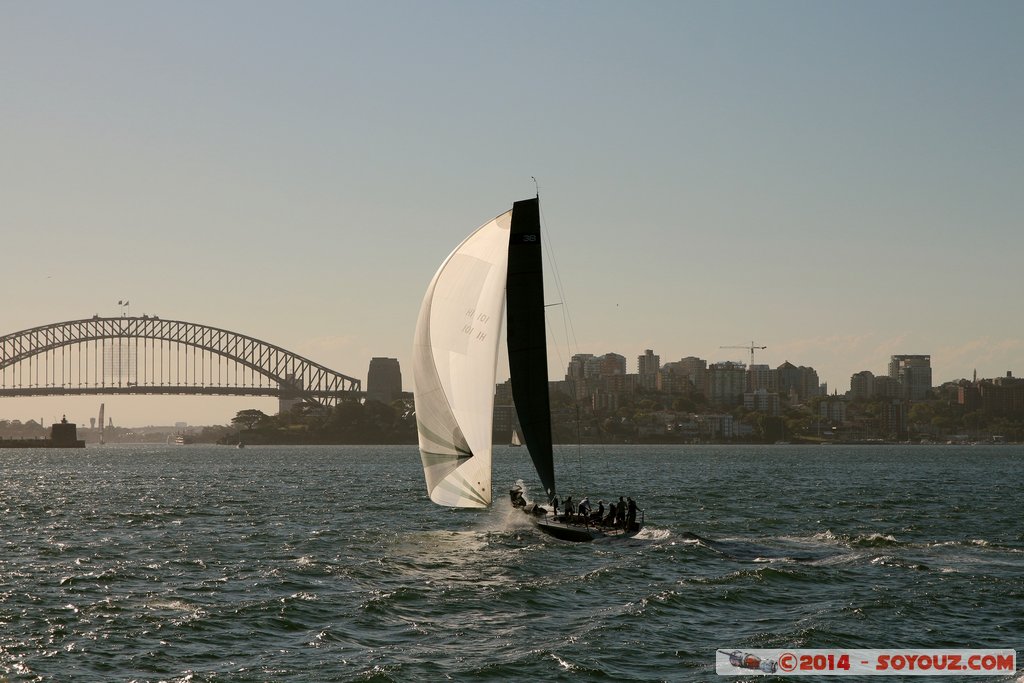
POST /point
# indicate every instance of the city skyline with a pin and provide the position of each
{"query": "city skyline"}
(836, 182)
(390, 380)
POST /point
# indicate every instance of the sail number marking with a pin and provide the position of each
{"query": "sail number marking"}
(469, 327)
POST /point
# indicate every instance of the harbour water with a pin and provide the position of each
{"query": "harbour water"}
(202, 563)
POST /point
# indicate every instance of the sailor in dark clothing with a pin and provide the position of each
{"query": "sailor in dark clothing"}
(598, 516)
(620, 513)
(610, 519)
(570, 509)
(517, 498)
(554, 504)
(630, 514)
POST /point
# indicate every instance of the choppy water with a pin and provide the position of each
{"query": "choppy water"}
(329, 564)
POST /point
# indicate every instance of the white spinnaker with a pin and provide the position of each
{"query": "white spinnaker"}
(455, 354)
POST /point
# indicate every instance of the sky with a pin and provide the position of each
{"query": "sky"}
(837, 182)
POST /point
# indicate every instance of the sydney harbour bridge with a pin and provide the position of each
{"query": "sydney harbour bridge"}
(147, 355)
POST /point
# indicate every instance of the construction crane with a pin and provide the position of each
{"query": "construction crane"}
(750, 348)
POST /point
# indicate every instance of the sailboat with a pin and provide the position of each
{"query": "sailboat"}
(497, 269)
(515, 442)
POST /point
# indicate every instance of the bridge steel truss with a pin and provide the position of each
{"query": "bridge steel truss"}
(147, 355)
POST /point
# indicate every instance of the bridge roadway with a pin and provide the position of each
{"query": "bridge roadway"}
(148, 355)
(276, 392)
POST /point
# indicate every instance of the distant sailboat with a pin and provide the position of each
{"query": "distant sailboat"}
(455, 354)
(515, 442)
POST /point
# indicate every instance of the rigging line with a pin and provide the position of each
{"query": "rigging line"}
(567, 327)
(549, 247)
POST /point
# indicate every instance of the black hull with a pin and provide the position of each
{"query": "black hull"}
(567, 528)
(579, 533)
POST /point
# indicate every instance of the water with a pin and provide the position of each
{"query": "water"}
(194, 563)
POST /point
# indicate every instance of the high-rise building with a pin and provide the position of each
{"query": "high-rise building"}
(647, 368)
(1003, 396)
(862, 385)
(587, 373)
(810, 385)
(759, 377)
(763, 402)
(383, 380)
(726, 382)
(672, 380)
(696, 369)
(576, 374)
(914, 374)
(886, 387)
(611, 364)
(503, 394)
(801, 382)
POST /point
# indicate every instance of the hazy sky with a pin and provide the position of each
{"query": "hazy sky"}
(839, 182)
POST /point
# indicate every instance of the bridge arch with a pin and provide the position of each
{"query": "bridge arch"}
(149, 355)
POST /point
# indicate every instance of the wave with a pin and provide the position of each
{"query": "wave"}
(874, 540)
(764, 550)
(895, 561)
(653, 534)
(761, 575)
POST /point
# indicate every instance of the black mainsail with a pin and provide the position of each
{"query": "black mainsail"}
(527, 338)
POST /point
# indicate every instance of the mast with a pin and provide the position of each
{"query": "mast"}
(527, 338)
